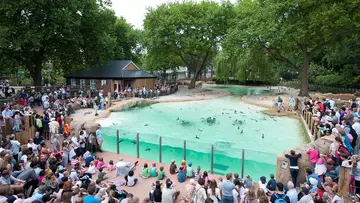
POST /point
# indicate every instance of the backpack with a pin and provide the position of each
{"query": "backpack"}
(280, 199)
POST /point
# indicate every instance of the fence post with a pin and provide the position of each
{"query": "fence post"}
(117, 142)
(160, 149)
(212, 159)
(137, 146)
(242, 163)
(184, 149)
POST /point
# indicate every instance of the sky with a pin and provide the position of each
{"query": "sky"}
(134, 10)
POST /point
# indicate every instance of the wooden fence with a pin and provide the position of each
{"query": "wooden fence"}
(311, 124)
(28, 132)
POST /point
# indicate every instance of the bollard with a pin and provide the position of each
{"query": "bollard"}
(137, 146)
(212, 160)
(160, 149)
(117, 142)
(185, 150)
(242, 163)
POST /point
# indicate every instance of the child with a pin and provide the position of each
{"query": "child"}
(17, 123)
(96, 161)
(92, 168)
(100, 163)
(111, 166)
(74, 161)
(183, 165)
(271, 185)
(190, 172)
(101, 175)
(131, 180)
(161, 173)
(145, 171)
(205, 176)
(173, 167)
(197, 175)
(320, 168)
(153, 170)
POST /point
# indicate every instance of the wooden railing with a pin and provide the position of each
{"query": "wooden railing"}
(311, 124)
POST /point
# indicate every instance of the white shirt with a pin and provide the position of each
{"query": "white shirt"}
(131, 180)
(293, 195)
(167, 195)
(213, 197)
(235, 195)
(15, 147)
(356, 127)
(75, 142)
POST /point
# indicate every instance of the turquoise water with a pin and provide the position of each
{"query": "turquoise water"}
(236, 126)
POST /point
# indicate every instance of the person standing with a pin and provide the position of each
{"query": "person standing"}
(294, 167)
(53, 129)
(279, 195)
(226, 189)
(99, 137)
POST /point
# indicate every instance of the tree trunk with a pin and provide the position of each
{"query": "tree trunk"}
(196, 74)
(36, 74)
(304, 77)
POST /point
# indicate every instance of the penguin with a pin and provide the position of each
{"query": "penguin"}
(197, 137)
(262, 136)
(147, 149)
(242, 131)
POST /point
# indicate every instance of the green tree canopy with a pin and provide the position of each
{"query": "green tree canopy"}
(70, 34)
(188, 32)
(292, 31)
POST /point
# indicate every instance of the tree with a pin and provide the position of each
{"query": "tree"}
(127, 39)
(292, 31)
(69, 34)
(188, 31)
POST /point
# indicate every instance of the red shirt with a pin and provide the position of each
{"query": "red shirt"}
(59, 120)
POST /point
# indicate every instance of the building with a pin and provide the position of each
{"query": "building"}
(111, 76)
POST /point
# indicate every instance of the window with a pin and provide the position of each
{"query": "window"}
(73, 82)
(82, 83)
(103, 82)
(92, 84)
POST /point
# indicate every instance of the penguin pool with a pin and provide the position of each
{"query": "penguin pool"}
(225, 123)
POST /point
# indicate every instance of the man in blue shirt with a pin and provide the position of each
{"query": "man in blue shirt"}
(7, 113)
(99, 137)
(226, 188)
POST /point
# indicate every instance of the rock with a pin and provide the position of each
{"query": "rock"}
(283, 175)
(91, 127)
(76, 126)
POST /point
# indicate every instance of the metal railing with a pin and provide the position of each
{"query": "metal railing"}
(216, 158)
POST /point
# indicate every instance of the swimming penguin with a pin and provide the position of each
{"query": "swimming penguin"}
(113, 123)
(197, 137)
(262, 136)
(235, 112)
(178, 119)
(133, 142)
(200, 130)
(242, 131)
(146, 124)
(238, 127)
(147, 149)
(150, 107)
(256, 120)
(120, 141)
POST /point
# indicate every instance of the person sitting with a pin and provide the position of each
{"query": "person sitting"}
(145, 171)
(173, 167)
(190, 172)
(271, 185)
(306, 198)
(92, 168)
(111, 166)
(161, 173)
(100, 163)
(310, 174)
(130, 179)
(181, 175)
(102, 175)
(169, 194)
(153, 170)
(123, 168)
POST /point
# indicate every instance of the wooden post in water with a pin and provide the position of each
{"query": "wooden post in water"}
(212, 160)
(242, 163)
(137, 146)
(184, 149)
(117, 142)
(160, 149)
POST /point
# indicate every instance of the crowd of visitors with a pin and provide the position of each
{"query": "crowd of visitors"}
(143, 92)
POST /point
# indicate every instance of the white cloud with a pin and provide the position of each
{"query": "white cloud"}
(134, 10)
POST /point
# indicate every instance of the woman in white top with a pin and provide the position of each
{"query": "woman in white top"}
(214, 191)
